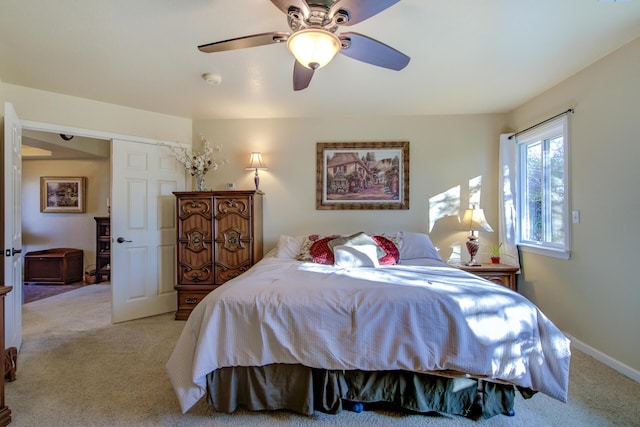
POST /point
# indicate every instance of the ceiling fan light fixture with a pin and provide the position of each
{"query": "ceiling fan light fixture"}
(313, 47)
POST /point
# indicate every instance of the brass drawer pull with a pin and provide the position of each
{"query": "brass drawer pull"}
(191, 300)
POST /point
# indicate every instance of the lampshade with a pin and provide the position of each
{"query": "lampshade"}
(474, 220)
(313, 47)
(256, 162)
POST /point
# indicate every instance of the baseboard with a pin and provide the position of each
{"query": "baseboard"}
(607, 360)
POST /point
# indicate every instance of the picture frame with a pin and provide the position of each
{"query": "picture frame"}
(362, 175)
(62, 194)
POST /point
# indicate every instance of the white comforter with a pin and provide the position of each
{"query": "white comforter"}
(416, 318)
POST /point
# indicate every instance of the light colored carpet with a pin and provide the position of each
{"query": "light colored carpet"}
(77, 369)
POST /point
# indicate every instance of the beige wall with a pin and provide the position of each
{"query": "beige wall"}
(48, 107)
(63, 230)
(2, 101)
(594, 296)
(446, 153)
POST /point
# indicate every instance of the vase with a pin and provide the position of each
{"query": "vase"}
(200, 183)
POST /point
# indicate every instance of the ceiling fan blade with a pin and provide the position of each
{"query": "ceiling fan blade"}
(359, 10)
(284, 6)
(301, 76)
(373, 52)
(244, 42)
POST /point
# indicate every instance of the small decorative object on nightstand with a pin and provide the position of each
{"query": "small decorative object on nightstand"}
(501, 274)
(495, 253)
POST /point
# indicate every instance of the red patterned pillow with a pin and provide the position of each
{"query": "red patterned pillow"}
(308, 241)
(320, 251)
(393, 254)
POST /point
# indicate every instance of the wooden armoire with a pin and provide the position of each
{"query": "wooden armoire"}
(219, 237)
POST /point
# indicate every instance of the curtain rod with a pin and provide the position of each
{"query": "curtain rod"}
(570, 110)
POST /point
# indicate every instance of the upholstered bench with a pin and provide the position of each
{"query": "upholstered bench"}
(58, 266)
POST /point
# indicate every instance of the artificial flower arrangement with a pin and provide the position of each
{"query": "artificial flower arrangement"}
(198, 164)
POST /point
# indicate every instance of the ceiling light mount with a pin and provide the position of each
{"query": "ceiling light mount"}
(316, 17)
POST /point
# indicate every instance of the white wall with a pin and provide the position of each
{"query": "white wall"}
(594, 296)
(63, 230)
(446, 152)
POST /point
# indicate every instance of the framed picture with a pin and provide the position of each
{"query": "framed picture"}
(62, 194)
(362, 175)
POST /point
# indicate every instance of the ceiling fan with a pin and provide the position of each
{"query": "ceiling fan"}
(313, 41)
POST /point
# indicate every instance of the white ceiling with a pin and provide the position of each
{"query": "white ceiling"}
(467, 56)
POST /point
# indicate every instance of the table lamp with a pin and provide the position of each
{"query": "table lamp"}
(474, 220)
(256, 163)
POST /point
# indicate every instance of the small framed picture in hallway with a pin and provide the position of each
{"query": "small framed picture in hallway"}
(362, 175)
(62, 194)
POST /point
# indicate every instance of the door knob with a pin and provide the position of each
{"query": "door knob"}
(122, 240)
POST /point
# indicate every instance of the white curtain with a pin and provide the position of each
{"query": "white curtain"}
(507, 198)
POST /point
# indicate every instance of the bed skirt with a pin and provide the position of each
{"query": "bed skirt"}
(303, 390)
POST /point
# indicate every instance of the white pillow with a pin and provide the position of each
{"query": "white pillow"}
(412, 245)
(356, 256)
(288, 246)
(417, 245)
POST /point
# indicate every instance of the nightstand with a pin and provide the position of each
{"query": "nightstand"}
(501, 274)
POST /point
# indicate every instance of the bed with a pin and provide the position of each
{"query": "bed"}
(326, 323)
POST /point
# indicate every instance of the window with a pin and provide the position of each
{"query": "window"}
(543, 196)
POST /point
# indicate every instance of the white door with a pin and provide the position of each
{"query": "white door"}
(143, 229)
(13, 226)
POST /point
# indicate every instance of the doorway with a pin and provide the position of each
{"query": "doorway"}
(146, 175)
(49, 154)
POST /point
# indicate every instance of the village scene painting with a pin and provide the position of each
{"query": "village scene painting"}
(369, 175)
(62, 194)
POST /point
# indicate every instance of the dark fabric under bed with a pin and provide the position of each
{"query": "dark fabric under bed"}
(303, 390)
